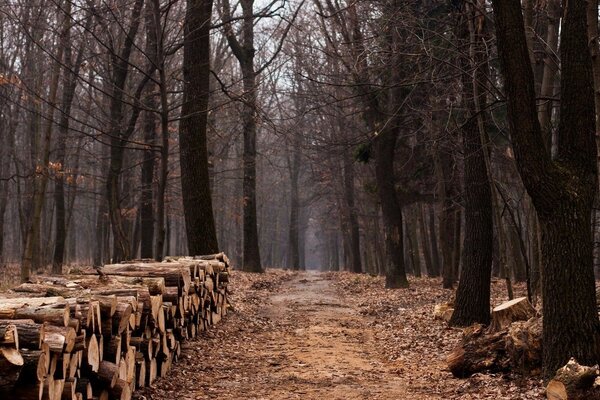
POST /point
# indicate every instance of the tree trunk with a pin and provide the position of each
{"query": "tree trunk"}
(244, 52)
(392, 212)
(549, 73)
(563, 190)
(294, 243)
(251, 258)
(424, 237)
(195, 180)
(354, 233)
(32, 237)
(435, 253)
(147, 181)
(472, 302)
(415, 254)
(70, 73)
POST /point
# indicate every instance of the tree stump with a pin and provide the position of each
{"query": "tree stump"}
(519, 309)
(443, 311)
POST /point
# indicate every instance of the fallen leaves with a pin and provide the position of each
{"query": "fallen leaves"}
(335, 336)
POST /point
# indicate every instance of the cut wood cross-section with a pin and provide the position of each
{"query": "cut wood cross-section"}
(86, 336)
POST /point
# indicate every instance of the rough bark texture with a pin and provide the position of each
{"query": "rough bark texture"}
(197, 201)
(395, 276)
(473, 294)
(562, 190)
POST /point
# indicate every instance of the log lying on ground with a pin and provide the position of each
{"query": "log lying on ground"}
(106, 336)
(478, 352)
(574, 381)
(516, 347)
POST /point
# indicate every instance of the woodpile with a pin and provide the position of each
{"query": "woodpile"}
(513, 341)
(102, 334)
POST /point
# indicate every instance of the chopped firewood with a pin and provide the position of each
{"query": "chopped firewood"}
(104, 337)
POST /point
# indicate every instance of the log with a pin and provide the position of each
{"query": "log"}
(30, 333)
(519, 309)
(55, 314)
(574, 381)
(92, 355)
(108, 373)
(443, 311)
(11, 362)
(120, 319)
(92, 281)
(9, 336)
(524, 346)
(478, 352)
(121, 390)
(173, 274)
(59, 338)
(34, 368)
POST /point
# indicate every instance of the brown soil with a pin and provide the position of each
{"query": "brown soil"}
(327, 336)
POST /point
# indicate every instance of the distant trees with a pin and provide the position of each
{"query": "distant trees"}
(367, 136)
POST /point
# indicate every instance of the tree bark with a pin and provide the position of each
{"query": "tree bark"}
(472, 304)
(70, 76)
(354, 233)
(395, 276)
(294, 243)
(32, 237)
(562, 190)
(195, 181)
(244, 52)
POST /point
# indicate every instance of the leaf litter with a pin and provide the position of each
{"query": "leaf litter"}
(307, 335)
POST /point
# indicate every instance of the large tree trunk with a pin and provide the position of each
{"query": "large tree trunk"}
(195, 181)
(392, 212)
(563, 190)
(472, 304)
(162, 244)
(146, 211)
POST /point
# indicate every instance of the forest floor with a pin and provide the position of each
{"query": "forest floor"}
(330, 336)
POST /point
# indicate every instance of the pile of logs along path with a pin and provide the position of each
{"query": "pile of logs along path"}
(103, 333)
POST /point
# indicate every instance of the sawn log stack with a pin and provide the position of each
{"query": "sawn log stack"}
(102, 334)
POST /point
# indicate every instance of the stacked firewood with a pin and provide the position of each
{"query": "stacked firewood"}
(102, 334)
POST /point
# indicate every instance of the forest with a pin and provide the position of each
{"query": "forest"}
(416, 153)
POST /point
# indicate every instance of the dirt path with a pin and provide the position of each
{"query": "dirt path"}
(308, 343)
(327, 336)
(324, 348)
